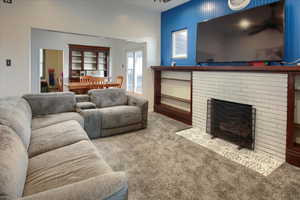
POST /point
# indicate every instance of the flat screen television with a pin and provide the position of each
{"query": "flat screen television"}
(249, 36)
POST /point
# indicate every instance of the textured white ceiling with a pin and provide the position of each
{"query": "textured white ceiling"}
(151, 5)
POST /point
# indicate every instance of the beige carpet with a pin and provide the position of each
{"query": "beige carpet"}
(258, 161)
(163, 166)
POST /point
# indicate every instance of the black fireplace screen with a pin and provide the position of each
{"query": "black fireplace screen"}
(233, 122)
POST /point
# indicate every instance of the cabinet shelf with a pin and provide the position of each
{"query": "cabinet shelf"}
(297, 145)
(174, 113)
(175, 79)
(90, 63)
(297, 125)
(297, 134)
(90, 56)
(176, 98)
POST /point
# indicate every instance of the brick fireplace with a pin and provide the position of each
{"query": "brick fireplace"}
(266, 92)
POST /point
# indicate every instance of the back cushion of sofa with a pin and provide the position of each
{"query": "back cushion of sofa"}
(51, 103)
(13, 164)
(16, 114)
(108, 97)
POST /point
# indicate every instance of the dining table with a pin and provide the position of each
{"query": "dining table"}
(84, 87)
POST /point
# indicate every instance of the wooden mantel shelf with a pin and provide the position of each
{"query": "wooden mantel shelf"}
(274, 69)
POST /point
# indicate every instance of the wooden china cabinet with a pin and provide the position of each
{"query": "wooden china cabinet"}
(293, 129)
(88, 60)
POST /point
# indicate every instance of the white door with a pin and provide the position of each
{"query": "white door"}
(135, 71)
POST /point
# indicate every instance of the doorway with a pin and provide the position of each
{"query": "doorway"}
(51, 70)
(135, 71)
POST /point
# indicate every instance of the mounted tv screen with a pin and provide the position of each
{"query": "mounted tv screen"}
(253, 35)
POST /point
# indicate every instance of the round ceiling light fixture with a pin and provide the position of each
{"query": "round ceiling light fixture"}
(238, 4)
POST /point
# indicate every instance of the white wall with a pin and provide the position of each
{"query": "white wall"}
(15, 45)
(110, 18)
(43, 39)
(2, 61)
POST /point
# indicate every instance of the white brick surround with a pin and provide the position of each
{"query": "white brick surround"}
(267, 92)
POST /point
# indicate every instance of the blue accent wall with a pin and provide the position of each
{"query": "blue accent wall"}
(188, 15)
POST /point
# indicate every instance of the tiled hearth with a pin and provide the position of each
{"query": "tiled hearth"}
(258, 161)
(267, 92)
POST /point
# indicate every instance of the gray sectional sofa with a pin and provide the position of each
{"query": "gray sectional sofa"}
(46, 154)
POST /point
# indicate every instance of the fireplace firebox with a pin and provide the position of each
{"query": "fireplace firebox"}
(232, 122)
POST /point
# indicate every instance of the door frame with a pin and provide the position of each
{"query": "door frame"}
(38, 64)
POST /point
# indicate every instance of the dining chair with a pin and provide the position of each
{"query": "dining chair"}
(86, 79)
(120, 80)
(60, 85)
(97, 82)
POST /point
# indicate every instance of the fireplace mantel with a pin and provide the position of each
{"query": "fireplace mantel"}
(270, 69)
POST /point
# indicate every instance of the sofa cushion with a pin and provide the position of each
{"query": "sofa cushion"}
(16, 114)
(85, 106)
(47, 120)
(51, 103)
(55, 136)
(110, 186)
(13, 164)
(63, 166)
(108, 97)
(82, 98)
(119, 116)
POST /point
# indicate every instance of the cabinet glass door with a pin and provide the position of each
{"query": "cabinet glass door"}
(102, 63)
(90, 60)
(76, 60)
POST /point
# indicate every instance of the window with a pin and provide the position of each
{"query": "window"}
(179, 40)
(135, 71)
(42, 64)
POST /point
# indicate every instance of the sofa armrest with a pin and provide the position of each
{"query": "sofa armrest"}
(112, 186)
(82, 98)
(142, 103)
(92, 122)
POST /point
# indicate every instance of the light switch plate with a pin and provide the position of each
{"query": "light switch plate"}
(8, 62)
(7, 1)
